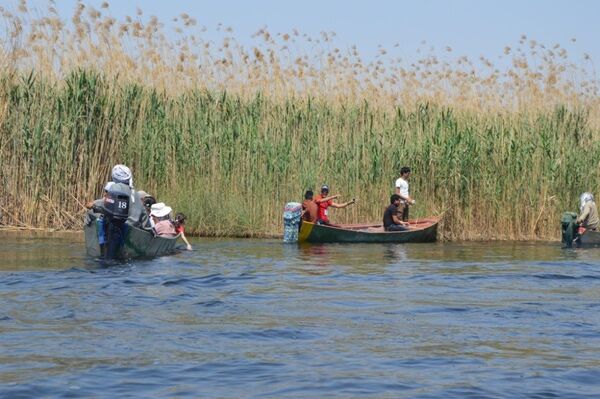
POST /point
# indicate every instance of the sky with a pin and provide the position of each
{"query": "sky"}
(471, 28)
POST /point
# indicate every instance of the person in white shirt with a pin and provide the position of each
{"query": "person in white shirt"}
(402, 190)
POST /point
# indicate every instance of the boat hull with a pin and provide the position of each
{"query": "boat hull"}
(139, 243)
(589, 238)
(421, 230)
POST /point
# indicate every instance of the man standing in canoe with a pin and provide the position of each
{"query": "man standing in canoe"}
(402, 190)
(325, 201)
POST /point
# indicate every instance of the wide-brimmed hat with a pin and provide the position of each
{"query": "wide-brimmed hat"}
(160, 210)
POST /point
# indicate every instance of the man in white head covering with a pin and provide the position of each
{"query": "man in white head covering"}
(122, 174)
(589, 212)
(117, 205)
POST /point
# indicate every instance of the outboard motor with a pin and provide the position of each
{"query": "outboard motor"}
(116, 211)
(291, 221)
(569, 228)
(116, 201)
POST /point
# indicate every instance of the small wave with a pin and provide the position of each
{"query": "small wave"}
(269, 334)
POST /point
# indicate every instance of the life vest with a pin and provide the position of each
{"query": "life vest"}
(116, 201)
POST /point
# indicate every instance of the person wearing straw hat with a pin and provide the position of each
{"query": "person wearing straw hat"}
(162, 223)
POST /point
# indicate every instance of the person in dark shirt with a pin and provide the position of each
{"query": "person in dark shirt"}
(310, 208)
(391, 222)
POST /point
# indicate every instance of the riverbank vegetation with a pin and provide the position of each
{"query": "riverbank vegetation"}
(229, 134)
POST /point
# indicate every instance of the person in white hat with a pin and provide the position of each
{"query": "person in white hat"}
(163, 226)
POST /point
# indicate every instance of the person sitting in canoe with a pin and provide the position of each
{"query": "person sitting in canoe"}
(589, 212)
(310, 209)
(179, 223)
(325, 201)
(138, 216)
(148, 202)
(391, 221)
(163, 226)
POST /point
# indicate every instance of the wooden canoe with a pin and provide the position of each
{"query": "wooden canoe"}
(139, 243)
(421, 230)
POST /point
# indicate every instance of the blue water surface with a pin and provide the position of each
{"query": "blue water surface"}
(262, 319)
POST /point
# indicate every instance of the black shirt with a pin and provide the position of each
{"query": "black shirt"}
(387, 215)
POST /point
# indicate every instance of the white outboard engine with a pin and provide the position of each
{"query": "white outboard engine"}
(291, 221)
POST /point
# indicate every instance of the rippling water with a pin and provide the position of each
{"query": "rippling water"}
(257, 318)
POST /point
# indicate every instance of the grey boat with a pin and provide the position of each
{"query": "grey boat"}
(139, 243)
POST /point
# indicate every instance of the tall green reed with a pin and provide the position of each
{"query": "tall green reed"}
(230, 163)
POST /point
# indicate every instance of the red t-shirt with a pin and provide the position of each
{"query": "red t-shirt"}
(322, 213)
(179, 229)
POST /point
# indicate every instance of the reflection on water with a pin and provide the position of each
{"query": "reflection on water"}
(259, 318)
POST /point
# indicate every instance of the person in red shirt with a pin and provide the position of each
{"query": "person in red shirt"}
(325, 201)
(179, 223)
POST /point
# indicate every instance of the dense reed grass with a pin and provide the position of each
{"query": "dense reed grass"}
(228, 135)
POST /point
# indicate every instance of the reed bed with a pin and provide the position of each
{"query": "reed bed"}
(228, 134)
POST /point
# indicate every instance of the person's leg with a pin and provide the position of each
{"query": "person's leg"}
(396, 227)
(115, 235)
(405, 213)
(400, 212)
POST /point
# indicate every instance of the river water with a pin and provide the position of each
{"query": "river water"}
(262, 319)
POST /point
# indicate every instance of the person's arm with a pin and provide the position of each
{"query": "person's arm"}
(345, 204)
(95, 205)
(188, 246)
(318, 201)
(584, 214)
(405, 198)
(398, 221)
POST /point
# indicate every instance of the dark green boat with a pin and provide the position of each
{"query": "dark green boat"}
(590, 238)
(574, 235)
(139, 243)
(421, 230)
